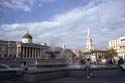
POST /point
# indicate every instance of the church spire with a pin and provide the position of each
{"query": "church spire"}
(89, 44)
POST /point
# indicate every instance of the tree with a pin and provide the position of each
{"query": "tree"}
(110, 53)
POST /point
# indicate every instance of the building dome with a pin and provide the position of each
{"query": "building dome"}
(27, 38)
(27, 35)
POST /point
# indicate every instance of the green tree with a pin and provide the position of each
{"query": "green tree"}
(110, 53)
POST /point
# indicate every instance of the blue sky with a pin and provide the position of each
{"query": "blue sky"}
(58, 22)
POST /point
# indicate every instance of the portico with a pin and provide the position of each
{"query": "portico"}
(30, 51)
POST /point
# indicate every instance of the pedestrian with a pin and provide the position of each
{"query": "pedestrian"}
(24, 66)
(88, 69)
(120, 62)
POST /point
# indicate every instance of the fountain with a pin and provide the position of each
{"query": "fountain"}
(53, 54)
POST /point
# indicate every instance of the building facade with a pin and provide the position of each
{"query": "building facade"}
(90, 51)
(24, 49)
(27, 49)
(14, 52)
(119, 46)
(7, 49)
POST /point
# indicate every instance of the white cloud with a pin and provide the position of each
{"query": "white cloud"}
(106, 20)
(25, 5)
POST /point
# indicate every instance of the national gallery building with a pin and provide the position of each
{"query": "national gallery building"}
(12, 53)
(24, 49)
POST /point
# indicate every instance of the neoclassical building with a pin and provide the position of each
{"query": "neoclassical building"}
(23, 49)
(7, 49)
(119, 46)
(28, 49)
(14, 52)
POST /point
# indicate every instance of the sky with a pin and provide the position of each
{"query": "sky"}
(58, 22)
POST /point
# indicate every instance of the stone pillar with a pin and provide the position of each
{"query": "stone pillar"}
(35, 52)
(17, 52)
(38, 52)
(21, 52)
(25, 52)
(23, 49)
(29, 53)
(32, 53)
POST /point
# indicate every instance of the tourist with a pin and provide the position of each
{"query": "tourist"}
(24, 66)
(120, 62)
(88, 69)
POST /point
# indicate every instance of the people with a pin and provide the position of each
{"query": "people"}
(24, 66)
(88, 69)
(120, 61)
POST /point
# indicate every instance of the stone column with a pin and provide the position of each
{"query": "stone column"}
(32, 53)
(35, 53)
(29, 53)
(17, 52)
(23, 51)
(38, 52)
